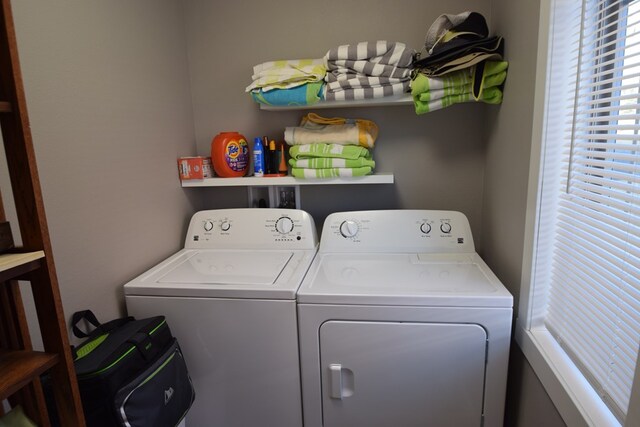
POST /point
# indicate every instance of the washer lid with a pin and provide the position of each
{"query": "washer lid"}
(403, 279)
(256, 274)
(228, 268)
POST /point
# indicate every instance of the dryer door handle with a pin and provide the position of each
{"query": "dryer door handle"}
(335, 377)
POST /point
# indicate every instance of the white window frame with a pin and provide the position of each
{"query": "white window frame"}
(573, 396)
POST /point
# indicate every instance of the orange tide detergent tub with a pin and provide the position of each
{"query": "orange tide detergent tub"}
(230, 154)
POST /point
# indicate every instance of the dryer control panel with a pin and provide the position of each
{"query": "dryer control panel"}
(393, 231)
(251, 229)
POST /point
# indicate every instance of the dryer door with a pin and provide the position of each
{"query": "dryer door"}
(380, 374)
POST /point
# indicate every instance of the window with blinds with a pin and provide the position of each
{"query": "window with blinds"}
(588, 241)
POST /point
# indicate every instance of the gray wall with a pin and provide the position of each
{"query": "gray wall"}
(437, 158)
(472, 158)
(505, 191)
(117, 90)
(108, 95)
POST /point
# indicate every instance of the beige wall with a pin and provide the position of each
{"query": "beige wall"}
(108, 97)
(505, 191)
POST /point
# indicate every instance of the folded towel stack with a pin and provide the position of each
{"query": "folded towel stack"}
(368, 70)
(433, 93)
(329, 161)
(288, 82)
(331, 147)
(463, 64)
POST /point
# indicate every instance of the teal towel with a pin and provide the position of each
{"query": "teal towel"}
(307, 94)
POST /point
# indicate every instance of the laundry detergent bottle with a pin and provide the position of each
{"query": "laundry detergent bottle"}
(230, 154)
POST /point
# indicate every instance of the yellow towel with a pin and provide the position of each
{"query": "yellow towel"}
(286, 74)
(367, 131)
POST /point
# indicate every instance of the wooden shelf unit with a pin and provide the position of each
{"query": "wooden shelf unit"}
(13, 266)
(20, 366)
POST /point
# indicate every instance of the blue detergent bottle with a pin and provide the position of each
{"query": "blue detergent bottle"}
(258, 157)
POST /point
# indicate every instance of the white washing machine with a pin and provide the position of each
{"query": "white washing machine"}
(401, 323)
(229, 298)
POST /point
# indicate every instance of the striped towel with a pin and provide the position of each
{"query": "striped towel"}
(373, 92)
(381, 58)
(286, 74)
(330, 161)
(434, 93)
(327, 163)
(330, 173)
(368, 70)
(310, 151)
(491, 95)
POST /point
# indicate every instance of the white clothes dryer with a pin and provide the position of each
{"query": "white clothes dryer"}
(229, 298)
(401, 323)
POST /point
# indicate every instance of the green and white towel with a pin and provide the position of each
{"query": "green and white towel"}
(337, 151)
(493, 74)
(330, 172)
(286, 74)
(434, 93)
(330, 161)
(327, 163)
(491, 95)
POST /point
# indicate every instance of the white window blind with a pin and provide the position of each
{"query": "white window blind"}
(588, 246)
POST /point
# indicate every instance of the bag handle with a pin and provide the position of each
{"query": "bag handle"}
(100, 328)
(87, 315)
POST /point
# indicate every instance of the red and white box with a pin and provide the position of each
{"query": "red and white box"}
(198, 167)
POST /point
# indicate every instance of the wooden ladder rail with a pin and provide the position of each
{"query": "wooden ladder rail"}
(14, 335)
(33, 225)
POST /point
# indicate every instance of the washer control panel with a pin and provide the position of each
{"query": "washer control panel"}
(251, 229)
(415, 231)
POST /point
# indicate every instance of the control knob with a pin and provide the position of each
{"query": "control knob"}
(284, 225)
(225, 225)
(208, 225)
(349, 228)
(425, 227)
(445, 227)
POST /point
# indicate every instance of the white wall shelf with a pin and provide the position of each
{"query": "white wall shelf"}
(251, 181)
(276, 190)
(405, 99)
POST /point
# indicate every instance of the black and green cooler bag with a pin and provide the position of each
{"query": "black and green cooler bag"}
(131, 373)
